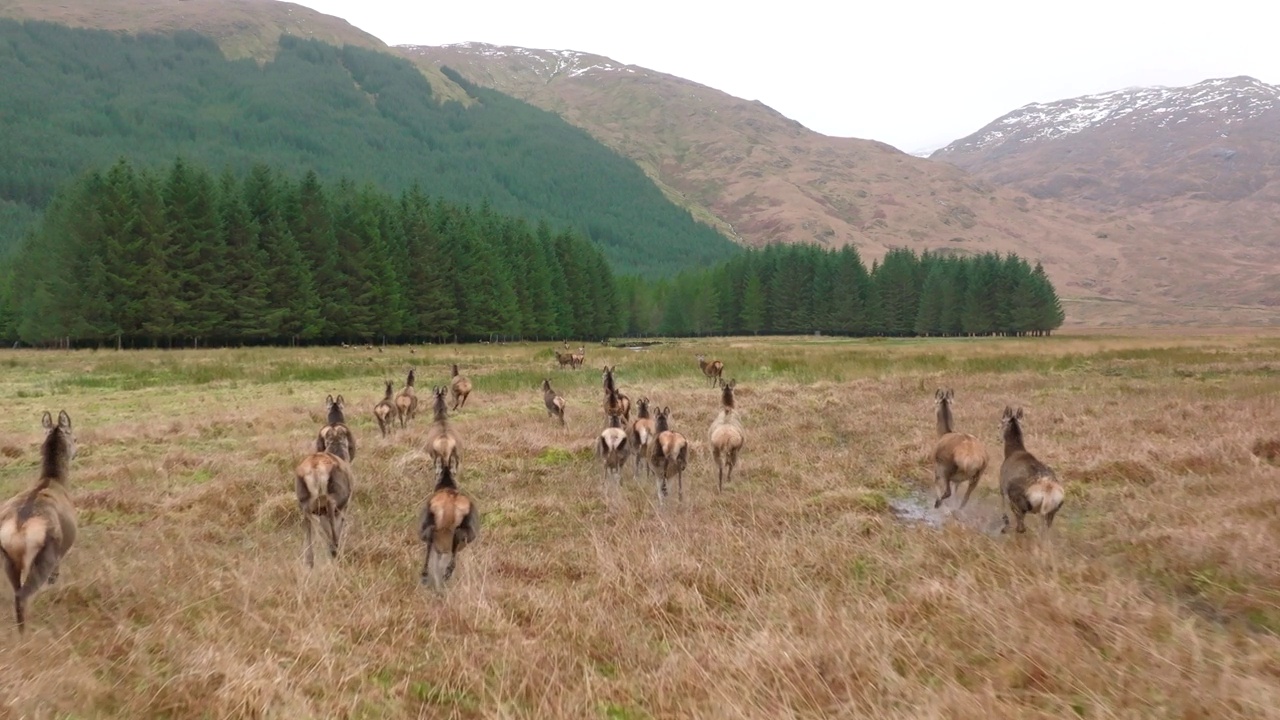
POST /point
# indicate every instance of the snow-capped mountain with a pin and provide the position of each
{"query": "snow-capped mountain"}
(546, 64)
(1222, 101)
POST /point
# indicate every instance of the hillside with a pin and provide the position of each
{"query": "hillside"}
(1200, 164)
(79, 99)
(769, 179)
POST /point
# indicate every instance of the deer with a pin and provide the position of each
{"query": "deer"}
(612, 447)
(323, 483)
(553, 401)
(336, 418)
(712, 370)
(450, 522)
(615, 401)
(442, 441)
(579, 357)
(564, 358)
(459, 388)
(384, 411)
(1026, 484)
(38, 526)
(669, 454)
(957, 457)
(407, 401)
(641, 435)
(727, 437)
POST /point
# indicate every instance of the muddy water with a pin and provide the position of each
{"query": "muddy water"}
(915, 505)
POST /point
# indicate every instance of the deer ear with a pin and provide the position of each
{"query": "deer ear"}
(1018, 414)
(64, 420)
(328, 399)
(47, 420)
(341, 401)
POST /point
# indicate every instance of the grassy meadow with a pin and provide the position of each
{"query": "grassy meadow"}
(821, 583)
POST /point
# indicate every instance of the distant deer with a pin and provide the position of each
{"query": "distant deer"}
(641, 435)
(564, 358)
(38, 526)
(958, 456)
(669, 454)
(442, 441)
(712, 370)
(459, 388)
(323, 482)
(726, 434)
(407, 401)
(553, 401)
(450, 522)
(336, 418)
(579, 357)
(1026, 484)
(616, 402)
(384, 411)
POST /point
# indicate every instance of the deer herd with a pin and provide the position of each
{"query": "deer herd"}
(38, 526)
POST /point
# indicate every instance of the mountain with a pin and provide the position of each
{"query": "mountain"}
(78, 99)
(1198, 165)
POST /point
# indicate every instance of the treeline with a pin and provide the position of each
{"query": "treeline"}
(805, 289)
(132, 258)
(76, 99)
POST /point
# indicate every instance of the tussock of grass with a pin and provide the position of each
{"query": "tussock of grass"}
(796, 593)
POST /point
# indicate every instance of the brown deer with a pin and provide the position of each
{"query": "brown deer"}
(616, 402)
(442, 441)
(564, 358)
(384, 410)
(579, 357)
(336, 418)
(712, 370)
(323, 482)
(641, 435)
(38, 526)
(726, 434)
(459, 388)
(958, 457)
(1026, 484)
(612, 447)
(407, 401)
(669, 454)
(450, 522)
(553, 401)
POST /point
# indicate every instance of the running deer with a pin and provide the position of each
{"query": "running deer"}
(442, 441)
(616, 402)
(958, 457)
(553, 401)
(323, 482)
(1026, 484)
(38, 526)
(336, 418)
(641, 435)
(726, 434)
(450, 522)
(669, 454)
(384, 410)
(612, 447)
(712, 370)
(407, 401)
(459, 388)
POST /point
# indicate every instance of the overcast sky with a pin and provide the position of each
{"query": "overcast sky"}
(916, 75)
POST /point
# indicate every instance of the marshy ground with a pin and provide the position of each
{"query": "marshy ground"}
(821, 583)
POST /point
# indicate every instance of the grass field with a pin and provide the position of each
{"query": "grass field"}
(820, 584)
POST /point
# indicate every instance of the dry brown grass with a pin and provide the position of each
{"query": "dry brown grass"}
(796, 593)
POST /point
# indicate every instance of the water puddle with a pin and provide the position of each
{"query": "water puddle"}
(915, 505)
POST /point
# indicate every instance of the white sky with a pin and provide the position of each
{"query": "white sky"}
(914, 74)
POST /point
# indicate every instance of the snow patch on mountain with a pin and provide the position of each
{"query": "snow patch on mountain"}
(1223, 100)
(547, 64)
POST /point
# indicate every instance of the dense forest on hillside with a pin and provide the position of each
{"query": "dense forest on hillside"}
(135, 257)
(72, 100)
(790, 289)
(139, 258)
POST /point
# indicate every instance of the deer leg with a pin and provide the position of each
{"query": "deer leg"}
(12, 572)
(680, 486)
(1048, 519)
(943, 483)
(972, 484)
(426, 566)
(306, 540)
